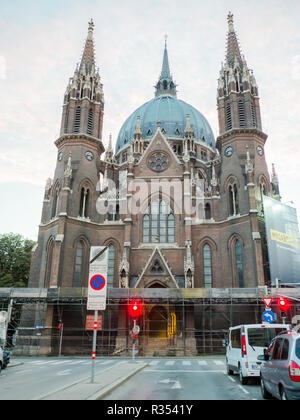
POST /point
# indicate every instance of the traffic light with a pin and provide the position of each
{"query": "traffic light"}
(284, 304)
(135, 309)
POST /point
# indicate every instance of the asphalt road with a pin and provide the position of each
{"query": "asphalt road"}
(184, 379)
(163, 379)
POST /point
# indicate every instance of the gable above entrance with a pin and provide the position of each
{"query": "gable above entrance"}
(156, 270)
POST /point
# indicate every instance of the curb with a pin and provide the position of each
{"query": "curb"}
(109, 388)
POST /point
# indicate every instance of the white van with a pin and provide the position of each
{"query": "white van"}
(245, 344)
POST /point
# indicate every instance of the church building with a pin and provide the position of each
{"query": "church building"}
(176, 206)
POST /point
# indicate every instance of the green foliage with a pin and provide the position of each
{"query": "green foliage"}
(15, 256)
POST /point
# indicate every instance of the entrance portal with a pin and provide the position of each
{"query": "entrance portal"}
(158, 322)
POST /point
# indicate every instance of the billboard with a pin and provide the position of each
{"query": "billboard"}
(283, 241)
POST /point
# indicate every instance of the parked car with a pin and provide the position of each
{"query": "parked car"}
(245, 344)
(280, 370)
(1, 358)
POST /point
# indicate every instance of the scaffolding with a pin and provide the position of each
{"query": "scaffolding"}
(174, 322)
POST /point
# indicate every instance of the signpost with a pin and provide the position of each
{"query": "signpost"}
(268, 315)
(97, 290)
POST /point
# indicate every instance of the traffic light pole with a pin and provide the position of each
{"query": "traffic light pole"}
(133, 340)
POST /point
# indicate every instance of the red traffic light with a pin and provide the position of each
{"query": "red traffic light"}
(135, 309)
(284, 304)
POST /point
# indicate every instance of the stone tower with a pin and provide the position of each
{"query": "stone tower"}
(70, 199)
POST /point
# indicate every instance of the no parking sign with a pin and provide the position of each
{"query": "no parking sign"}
(97, 278)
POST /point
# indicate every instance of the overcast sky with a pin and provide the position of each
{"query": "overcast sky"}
(41, 41)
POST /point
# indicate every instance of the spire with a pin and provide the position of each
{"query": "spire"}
(165, 84)
(233, 48)
(88, 56)
(165, 71)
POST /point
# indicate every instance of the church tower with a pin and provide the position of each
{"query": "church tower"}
(69, 206)
(244, 173)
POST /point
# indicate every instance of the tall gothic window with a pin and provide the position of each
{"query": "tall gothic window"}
(228, 117)
(159, 222)
(241, 111)
(78, 268)
(77, 120)
(239, 263)
(111, 265)
(207, 211)
(233, 200)
(84, 202)
(49, 260)
(207, 266)
(90, 122)
(253, 113)
(54, 211)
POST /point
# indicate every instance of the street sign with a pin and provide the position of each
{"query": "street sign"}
(136, 329)
(267, 301)
(89, 323)
(268, 316)
(97, 278)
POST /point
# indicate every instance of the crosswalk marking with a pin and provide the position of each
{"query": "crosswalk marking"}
(103, 362)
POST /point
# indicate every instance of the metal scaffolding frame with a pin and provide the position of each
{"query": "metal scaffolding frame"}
(183, 321)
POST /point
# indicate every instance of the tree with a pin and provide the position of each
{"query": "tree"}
(15, 257)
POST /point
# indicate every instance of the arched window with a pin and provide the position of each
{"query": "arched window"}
(84, 202)
(54, 211)
(78, 268)
(111, 265)
(207, 211)
(239, 263)
(90, 122)
(207, 266)
(228, 117)
(49, 261)
(77, 120)
(233, 200)
(159, 222)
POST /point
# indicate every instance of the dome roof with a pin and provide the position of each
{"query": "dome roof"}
(172, 114)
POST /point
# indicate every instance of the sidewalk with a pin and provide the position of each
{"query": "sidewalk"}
(104, 382)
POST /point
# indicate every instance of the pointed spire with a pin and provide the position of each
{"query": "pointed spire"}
(88, 56)
(233, 48)
(165, 71)
(165, 84)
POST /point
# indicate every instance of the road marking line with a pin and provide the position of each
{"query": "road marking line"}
(202, 363)
(183, 371)
(186, 363)
(154, 363)
(170, 362)
(218, 362)
(64, 372)
(243, 389)
(61, 362)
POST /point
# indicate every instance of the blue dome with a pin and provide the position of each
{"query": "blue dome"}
(171, 112)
